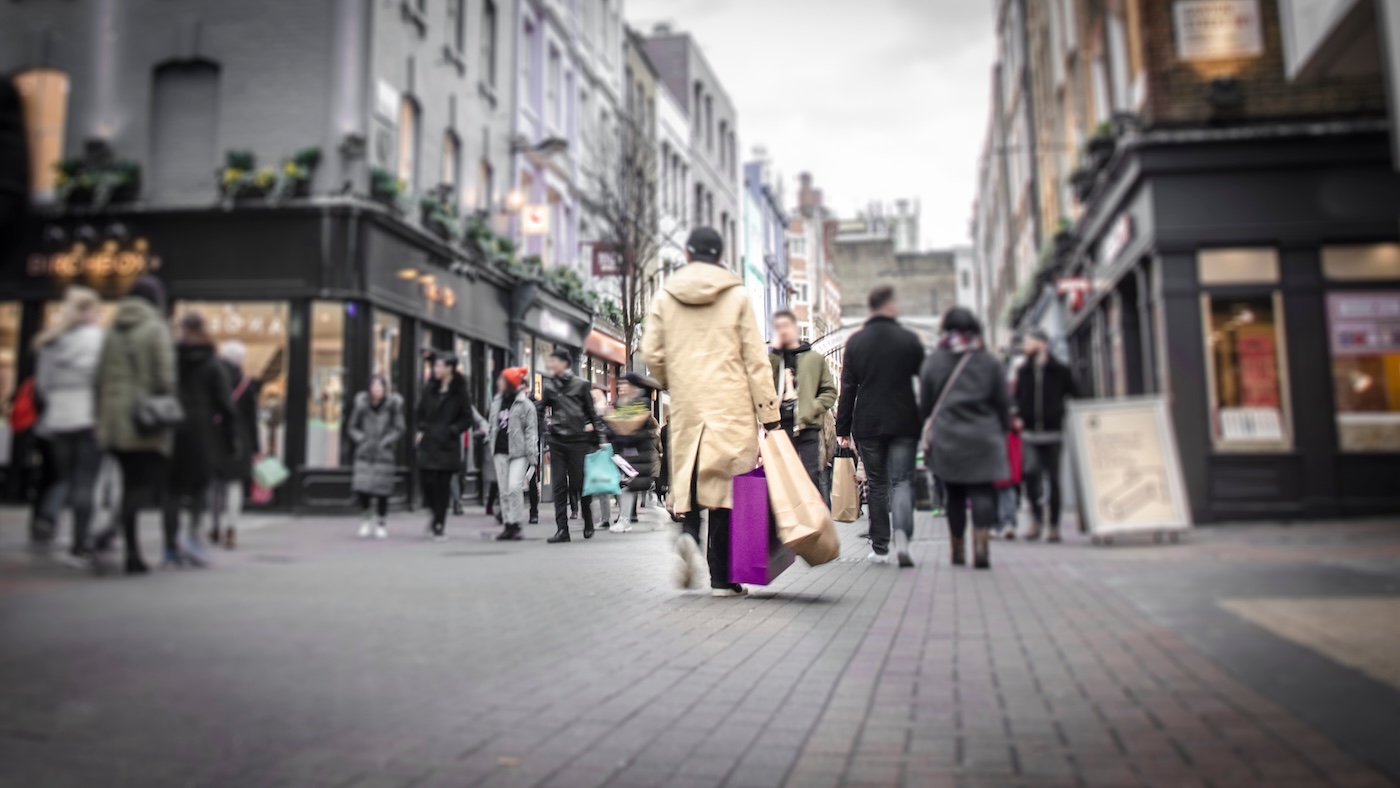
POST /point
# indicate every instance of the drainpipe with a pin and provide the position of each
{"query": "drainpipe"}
(348, 127)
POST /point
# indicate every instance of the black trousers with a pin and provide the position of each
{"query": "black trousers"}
(381, 503)
(808, 443)
(143, 480)
(1044, 479)
(566, 469)
(532, 491)
(437, 493)
(984, 507)
(717, 549)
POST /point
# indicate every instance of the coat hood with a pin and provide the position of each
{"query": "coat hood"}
(700, 283)
(193, 356)
(132, 312)
(76, 347)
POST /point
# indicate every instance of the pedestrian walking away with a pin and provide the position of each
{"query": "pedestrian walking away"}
(1043, 383)
(233, 475)
(137, 370)
(575, 431)
(963, 399)
(65, 379)
(204, 441)
(635, 439)
(375, 428)
(443, 415)
(513, 437)
(702, 343)
(806, 392)
(877, 409)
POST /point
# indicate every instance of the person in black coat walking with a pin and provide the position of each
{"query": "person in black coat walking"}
(964, 399)
(575, 431)
(878, 410)
(204, 441)
(236, 471)
(444, 413)
(1042, 386)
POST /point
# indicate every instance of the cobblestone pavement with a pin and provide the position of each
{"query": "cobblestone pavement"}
(310, 658)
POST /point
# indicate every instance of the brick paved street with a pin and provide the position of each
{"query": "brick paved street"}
(1244, 656)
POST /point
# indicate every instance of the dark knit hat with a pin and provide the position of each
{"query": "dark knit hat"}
(961, 319)
(705, 245)
(149, 289)
(563, 355)
(641, 381)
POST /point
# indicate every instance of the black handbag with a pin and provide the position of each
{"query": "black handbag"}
(152, 413)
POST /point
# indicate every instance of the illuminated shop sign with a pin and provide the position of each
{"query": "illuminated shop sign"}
(102, 265)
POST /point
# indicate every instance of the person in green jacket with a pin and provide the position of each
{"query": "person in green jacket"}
(806, 391)
(138, 360)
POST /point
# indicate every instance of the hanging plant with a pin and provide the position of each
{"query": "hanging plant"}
(438, 213)
(96, 183)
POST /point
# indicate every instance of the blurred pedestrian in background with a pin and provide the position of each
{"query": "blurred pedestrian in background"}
(443, 415)
(963, 394)
(878, 410)
(702, 344)
(65, 380)
(602, 516)
(806, 391)
(205, 441)
(1042, 386)
(137, 363)
(634, 435)
(236, 471)
(575, 430)
(376, 426)
(514, 441)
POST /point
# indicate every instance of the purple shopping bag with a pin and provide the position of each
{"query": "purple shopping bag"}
(755, 554)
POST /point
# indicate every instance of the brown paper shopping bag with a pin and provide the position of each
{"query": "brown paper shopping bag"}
(804, 523)
(845, 496)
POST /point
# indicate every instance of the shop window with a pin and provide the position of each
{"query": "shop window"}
(1353, 263)
(1364, 333)
(9, 372)
(184, 131)
(1248, 372)
(105, 312)
(262, 328)
(43, 95)
(326, 397)
(388, 330)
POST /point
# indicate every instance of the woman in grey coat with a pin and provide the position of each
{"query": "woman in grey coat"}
(514, 442)
(376, 426)
(964, 403)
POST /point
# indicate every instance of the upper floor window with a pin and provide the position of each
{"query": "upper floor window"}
(710, 123)
(697, 107)
(459, 25)
(488, 42)
(723, 144)
(485, 186)
(553, 77)
(797, 246)
(527, 66)
(43, 95)
(408, 143)
(451, 160)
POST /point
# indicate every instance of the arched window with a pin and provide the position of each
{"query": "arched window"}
(408, 143)
(452, 162)
(43, 95)
(184, 132)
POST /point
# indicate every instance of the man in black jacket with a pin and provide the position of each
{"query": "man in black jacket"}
(1042, 386)
(878, 410)
(575, 431)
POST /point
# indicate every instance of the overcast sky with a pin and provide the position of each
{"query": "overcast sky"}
(878, 99)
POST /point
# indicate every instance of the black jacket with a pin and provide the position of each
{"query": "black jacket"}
(208, 435)
(570, 400)
(968, 434)
(1040, 404)
(238, 464)
(442, 418)
(882, 360)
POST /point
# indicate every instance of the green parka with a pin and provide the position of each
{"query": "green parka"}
(138, 359)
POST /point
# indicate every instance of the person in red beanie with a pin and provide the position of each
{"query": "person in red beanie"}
(513, 437)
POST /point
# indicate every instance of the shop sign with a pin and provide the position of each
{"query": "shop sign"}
(534, 220)
(108, 265)
(608, 260)
(1124, 452)
(1218, 29)
(556, 327)
(1117, 239)
(386, 102)
(1364, 324)
(1074, 289)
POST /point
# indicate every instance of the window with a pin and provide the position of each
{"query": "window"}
(527, 67)
(699, 205)
(723, 144)
(9, 372)
(665, 177)
(43, 96)
(485, 186)
(697, 107)
(553, 77)
(1247, 371)
(1364, 333)
(185, 130)
(388, 331)
(801, 294)
(325, 396)
(488, 42)
(459, 25)
(710, 123)
(408, 143)
(451, 162)
(797, 246)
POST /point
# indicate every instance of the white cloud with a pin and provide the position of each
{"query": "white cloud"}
(878, 99)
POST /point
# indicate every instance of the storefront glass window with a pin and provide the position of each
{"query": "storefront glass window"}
(1364, 334)
(387, 331)
(326, 396)
(1248, 373)
(262, 328)
(105, 313)
(9, 372)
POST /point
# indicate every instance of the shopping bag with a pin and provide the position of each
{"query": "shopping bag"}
(803, 521)
(270, 472)
(600, 476)
(845, 498)
(260, 495)
(1013, 459)
(756, 555)
(923, 490)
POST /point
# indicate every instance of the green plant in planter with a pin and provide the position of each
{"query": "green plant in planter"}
(97, 182)
(438, 213)
(529, 267)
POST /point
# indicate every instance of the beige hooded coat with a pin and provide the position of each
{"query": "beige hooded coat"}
(702, 343)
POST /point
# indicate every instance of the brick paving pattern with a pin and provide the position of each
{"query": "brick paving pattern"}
(309, 658)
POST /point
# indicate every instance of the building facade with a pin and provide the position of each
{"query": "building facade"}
(816, 290)
(765, 249)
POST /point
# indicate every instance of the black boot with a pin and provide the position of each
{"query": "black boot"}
(588, 532)
(457, 507)
(510, 534)
(562, 535)
(135, 566)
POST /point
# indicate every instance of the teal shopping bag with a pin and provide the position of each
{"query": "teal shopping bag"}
(600, 474)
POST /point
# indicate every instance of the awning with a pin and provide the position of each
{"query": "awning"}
(600, 345)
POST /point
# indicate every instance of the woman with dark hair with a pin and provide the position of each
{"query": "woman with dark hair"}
(204, 442)
(376, 426)
(964, 401)
(443, 415)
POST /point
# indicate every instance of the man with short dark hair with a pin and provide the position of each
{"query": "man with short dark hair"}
(806, 390)
(1042, 386)
(877, 409)
(575, 431)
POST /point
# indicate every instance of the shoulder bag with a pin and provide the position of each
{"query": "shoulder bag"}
(926, 442)
(152, 413)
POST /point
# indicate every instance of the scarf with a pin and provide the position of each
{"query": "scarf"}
(960, 341)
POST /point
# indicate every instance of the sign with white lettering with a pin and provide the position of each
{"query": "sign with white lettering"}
(1120, 233)
(1218, 29)
(1125, 459)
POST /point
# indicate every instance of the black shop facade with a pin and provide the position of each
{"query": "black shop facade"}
(323, 296)
(1253, 279)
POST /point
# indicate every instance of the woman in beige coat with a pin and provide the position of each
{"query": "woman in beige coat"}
(702, 343)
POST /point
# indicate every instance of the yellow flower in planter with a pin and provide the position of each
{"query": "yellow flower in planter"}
(293, 170)
(232, 175)
(265, 177)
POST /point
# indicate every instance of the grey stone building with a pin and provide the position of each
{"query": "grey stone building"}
(714, 134)
(926, 281)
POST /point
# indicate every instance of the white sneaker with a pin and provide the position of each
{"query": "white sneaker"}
(879, 558)
(688, 562)
(901, 549)
(365, 529)
(380, 532)
(620, 527)
(734, 590)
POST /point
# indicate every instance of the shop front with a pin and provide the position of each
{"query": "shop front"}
(1256, 284)
(544, 323)
(605, 360)
(322, 297)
